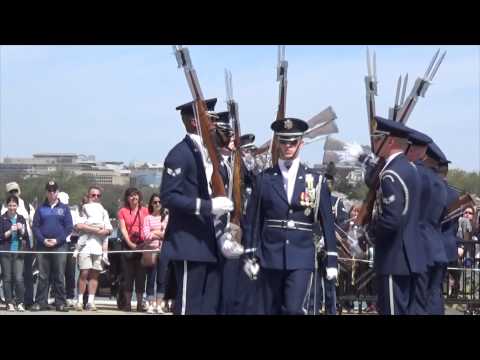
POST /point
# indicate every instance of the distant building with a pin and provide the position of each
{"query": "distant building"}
(146, 175)
(43, 164)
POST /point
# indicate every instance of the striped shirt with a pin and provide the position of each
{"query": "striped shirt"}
(152, 223)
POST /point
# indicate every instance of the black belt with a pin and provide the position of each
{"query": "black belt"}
(288, 224)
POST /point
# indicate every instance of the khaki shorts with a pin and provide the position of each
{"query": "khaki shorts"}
(90, 261)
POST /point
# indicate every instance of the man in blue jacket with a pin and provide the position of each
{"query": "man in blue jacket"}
(399, 252)
(288, 199)
(190, 240)
(52, 224)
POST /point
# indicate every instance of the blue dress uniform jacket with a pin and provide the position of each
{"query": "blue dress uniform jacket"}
(449, 229)
(433, 201)
(398, 250)
(286, 248)
(184, 191)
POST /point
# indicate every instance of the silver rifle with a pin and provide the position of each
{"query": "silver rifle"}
(420, 88)
(371, 91)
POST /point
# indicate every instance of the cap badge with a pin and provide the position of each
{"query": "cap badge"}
(288, 124)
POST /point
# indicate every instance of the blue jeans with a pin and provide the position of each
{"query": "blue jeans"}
(12, 272)
(157, 275)
(54, 265)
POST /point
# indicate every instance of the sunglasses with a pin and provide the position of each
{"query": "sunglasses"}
(156, 202)
(95, 196)
(288, 142)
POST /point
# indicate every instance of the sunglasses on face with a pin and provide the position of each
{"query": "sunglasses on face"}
(156, 202)
(95, 196)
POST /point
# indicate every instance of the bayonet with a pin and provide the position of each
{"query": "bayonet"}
(402, 100)
(437, 66)
(369, 69)
(394, 110)
(431, 64)
(420, 87)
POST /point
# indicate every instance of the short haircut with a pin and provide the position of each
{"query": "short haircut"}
(131, 191)
(93, 187)
(11, 198)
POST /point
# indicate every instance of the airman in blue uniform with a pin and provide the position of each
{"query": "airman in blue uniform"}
(323, 291)
(288, 198)
(433, 199)
(190, 240)
(399, 254)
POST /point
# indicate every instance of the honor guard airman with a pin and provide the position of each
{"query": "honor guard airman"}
(438, 161)
(324, 291)
(288, 198)
(399, 255)
(433, 199)
(190, 238)
(450, 226)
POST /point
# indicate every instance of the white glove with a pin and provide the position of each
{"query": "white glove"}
(251, 268)
(75, 253)
(230, 248)
(221, 205)
(105, 258)
(332, 273)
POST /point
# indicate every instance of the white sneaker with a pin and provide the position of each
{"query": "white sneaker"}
(78, 306)
(10, 307)
(70, 302)
(20, 308)
(150, 309)
(160, 308)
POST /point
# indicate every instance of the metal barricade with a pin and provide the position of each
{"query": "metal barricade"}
(462, 285)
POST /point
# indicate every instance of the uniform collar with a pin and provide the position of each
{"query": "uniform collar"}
(390, 159)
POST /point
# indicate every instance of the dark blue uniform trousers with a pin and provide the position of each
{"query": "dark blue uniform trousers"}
(230, 269)
(198, 288)
(436, 305)
(429, 291)
(285, 291)
(322, 291)
(248, 294)
(396, 294)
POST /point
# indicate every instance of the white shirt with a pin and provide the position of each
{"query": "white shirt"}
(389, 160)
(95, 214)
(206, 160)
(289, 176)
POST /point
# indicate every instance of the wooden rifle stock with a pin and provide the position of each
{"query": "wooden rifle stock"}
(204, 124)
(365, 214)
(218, 187)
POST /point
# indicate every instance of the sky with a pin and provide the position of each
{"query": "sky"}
(118, 102)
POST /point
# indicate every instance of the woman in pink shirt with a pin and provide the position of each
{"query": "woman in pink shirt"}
(154, 228)
(130, 218)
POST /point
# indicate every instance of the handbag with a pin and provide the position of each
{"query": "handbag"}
(149, 259)
(136, 236)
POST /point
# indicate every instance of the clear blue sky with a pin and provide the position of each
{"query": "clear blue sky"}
(118, 102)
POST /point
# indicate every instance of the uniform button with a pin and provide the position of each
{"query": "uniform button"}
(287, 242)
(290, 211)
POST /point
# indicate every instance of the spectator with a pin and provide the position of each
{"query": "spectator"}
(13, 237)
(52, 224)
(154, 228)
(466, 230)
(131, 217)
(92, 247)
(27, 211)
(70, 269)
